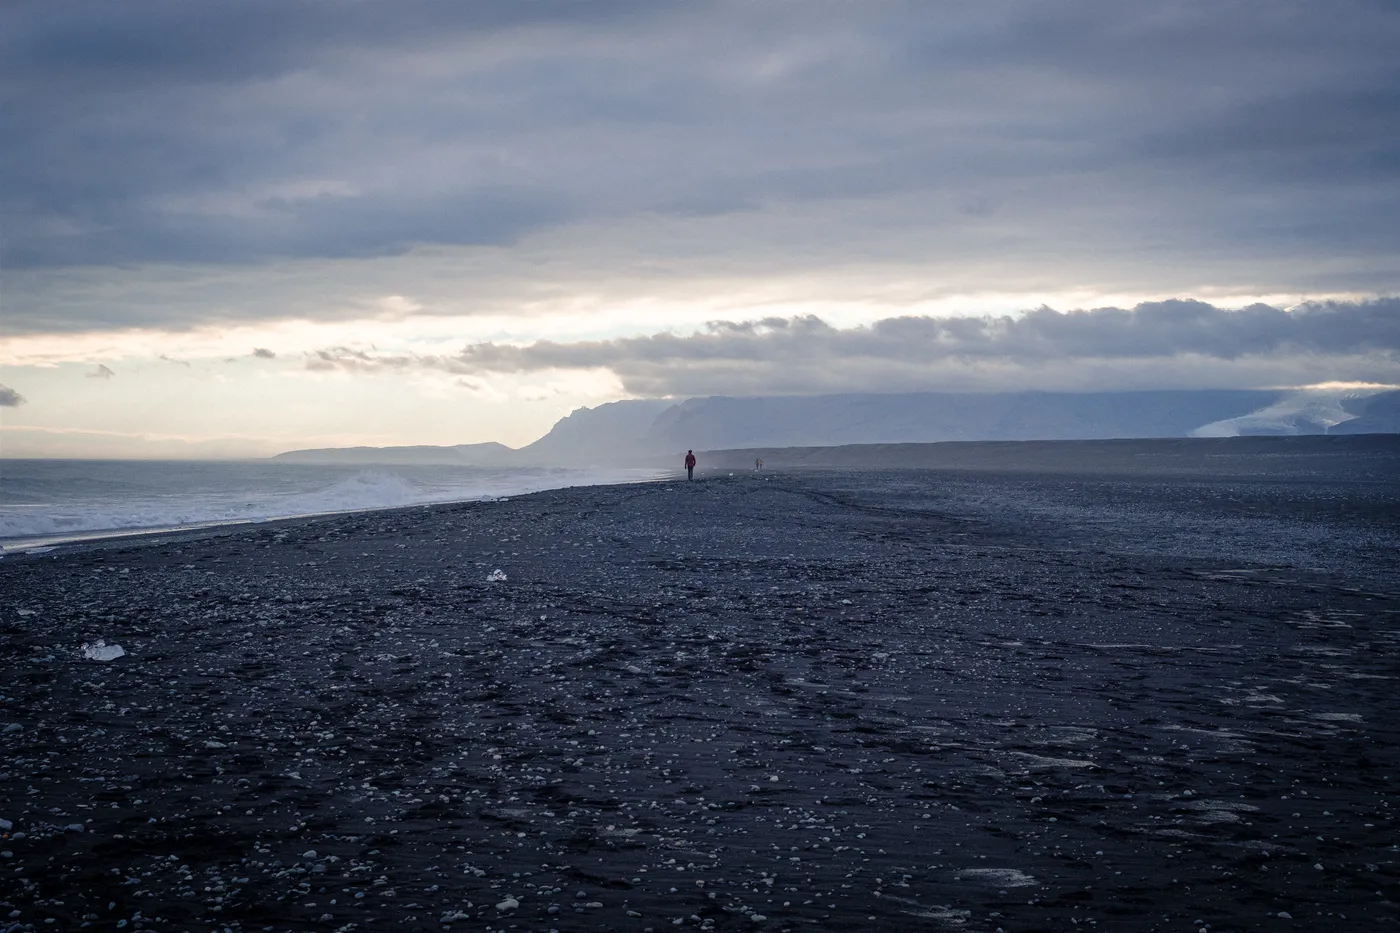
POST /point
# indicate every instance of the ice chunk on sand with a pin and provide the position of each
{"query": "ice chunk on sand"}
(101, 651)
(496, 576)
(1045, 763)
(950, 917)
(1001, 877)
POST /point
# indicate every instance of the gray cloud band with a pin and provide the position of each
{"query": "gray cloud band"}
(220, 133)
(1152, 345)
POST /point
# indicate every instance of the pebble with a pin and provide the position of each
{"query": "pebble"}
(664, 776)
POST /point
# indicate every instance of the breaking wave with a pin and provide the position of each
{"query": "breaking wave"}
(87, 498)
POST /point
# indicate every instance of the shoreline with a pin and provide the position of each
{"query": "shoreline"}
(1361, 458)
(20, 544)
(899, 699)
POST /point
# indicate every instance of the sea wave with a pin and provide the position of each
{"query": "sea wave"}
(56, 515)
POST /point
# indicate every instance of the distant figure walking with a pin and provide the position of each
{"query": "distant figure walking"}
(690, 464)
(758, 464)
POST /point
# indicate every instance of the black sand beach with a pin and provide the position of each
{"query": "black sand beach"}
(899, 700)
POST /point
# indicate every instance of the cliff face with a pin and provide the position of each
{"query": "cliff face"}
(617, 432)
(1375, 414)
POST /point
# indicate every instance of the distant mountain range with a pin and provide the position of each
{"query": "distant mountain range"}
(488, 454)
(638, 430)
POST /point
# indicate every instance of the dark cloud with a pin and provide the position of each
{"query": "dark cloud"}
(101, 371)
(146, 43)
(9, 398)
(264, 353)
(1160, 344)
(157, 131)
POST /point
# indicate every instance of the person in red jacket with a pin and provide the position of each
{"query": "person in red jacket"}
(690, 464)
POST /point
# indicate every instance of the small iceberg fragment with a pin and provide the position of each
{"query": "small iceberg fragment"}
(1001, 877)
(101, 651)
(496, 576)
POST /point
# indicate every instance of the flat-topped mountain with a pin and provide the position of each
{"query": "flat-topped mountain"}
(488, 454)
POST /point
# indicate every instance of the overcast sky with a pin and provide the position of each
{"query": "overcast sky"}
(239, 227)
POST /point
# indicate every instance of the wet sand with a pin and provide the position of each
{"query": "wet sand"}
(903, 700)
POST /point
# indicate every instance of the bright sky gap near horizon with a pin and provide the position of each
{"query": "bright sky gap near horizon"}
(231, 229)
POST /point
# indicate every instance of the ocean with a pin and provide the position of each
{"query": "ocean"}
(46, 502)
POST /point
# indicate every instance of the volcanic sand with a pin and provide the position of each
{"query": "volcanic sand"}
(904, 700)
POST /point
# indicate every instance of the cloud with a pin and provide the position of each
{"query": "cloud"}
(1155, 345)
(263, 353)
(101, 371)
(1247, 140)
(9, 398)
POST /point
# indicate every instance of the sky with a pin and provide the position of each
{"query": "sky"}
(231, 229)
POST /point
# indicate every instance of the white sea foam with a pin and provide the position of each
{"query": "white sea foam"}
(47, 502)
